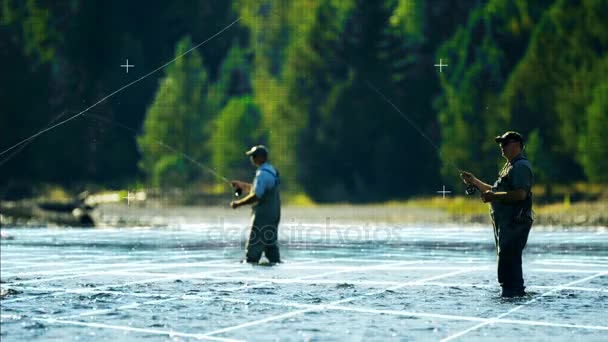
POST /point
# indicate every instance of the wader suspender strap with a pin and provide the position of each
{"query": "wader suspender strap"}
(276, 176)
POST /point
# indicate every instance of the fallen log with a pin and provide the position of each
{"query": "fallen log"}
(72, 213)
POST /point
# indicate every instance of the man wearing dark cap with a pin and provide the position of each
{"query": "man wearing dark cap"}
(510, 200)
(264, 196)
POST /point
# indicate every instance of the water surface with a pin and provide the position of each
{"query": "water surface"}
(339, 282)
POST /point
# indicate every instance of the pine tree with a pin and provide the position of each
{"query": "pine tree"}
(554, 86)
(593, 146)
(234, 79)
(369, 145)
(481, 57)
(276, 32)
(176, 118)
(235, 130)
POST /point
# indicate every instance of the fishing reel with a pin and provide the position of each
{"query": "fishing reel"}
(471, 189)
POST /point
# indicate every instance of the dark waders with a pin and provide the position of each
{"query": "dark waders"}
(510, 238)
(263, 237)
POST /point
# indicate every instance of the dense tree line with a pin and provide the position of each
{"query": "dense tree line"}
(535, 66)
(307, 78)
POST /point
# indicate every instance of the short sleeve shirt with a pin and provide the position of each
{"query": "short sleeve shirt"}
(265, 179)
(521, 176)
(514, 176)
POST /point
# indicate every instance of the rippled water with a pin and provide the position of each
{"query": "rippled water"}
(338, 282)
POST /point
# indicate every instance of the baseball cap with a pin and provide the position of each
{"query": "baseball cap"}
(258, 150)
(509, 136)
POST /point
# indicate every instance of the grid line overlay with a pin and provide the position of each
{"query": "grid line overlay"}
(313, 270)
(493, 320)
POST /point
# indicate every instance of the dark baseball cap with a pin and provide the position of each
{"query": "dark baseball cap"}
(258, 150)
(509, 136)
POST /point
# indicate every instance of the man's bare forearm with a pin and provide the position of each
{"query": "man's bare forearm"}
(249, 199)
(482, 186)
(246, 187)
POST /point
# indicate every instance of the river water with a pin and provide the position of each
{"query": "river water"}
(341, 280)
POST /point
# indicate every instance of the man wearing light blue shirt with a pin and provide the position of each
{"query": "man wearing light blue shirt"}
(264, 196)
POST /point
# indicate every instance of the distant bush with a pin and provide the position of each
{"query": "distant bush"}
(170, 171)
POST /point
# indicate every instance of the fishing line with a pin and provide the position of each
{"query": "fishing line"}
(410, 121)
(118, 90)
(450, 161)
(159, 142)
(15, 152)
(470, 187)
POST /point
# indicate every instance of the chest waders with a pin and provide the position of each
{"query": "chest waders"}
(265, 217)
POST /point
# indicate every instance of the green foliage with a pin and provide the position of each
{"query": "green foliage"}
(34, 21)
(408, 16)
(170, 171)
(527, 66)
(537, 152)
(296, 75)
(551, 87)
(234, 78)
(59, 57)
(593, 146)
(176, 116)
(235, 130)
(318, 106)
(277, 31)
(473, 107)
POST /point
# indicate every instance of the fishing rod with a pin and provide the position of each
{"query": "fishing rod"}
(19, 146)
(189, 158)
(471, 188)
